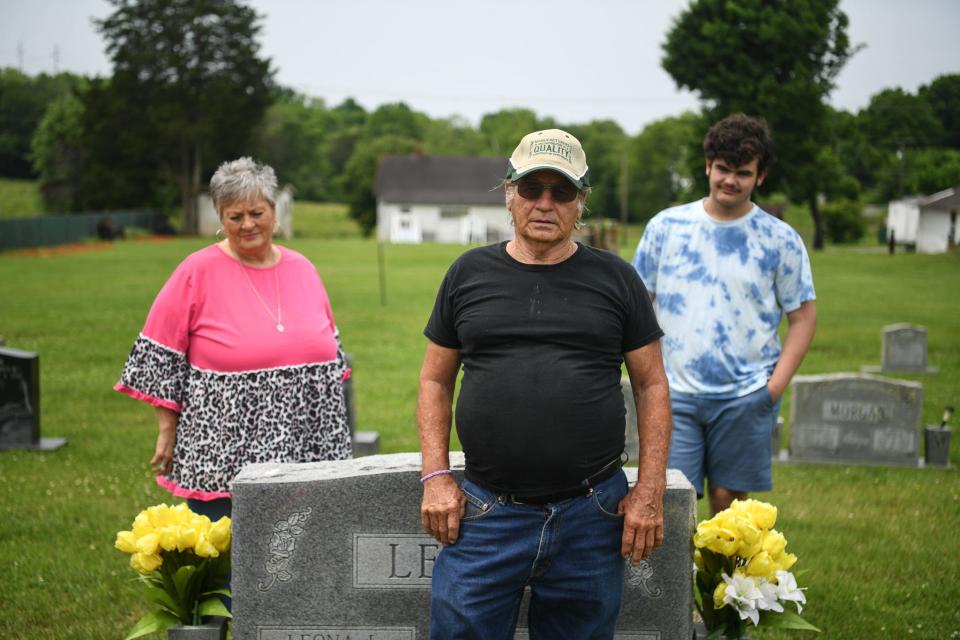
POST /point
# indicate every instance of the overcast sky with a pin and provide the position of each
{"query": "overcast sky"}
(575, 61)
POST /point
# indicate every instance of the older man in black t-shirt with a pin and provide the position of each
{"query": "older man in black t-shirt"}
(541, 326)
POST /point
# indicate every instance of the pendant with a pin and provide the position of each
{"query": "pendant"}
(279, 327)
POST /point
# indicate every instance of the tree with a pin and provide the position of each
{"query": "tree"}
(23, 101)
(360, 176)
(895, 119)
(843, 221)
(773, 59)
(193, 70)
(58, 155)
(918, 171)
(122, 166)
(504, 129)
(943, 96)
(665, 160)
(293, 138)
(396, 119)
(858, 156)
(454, 137)
(605, 144)
(349, 121)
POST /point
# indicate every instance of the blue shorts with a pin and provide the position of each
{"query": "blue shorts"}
(726, 440)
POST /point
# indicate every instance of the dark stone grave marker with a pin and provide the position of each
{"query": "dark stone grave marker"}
(20, 402)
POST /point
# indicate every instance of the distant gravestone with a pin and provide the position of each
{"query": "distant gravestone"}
(20, 402)
(776, 436)
(335, 550)
(904, 350)
(631, 436)
(365, 443)
(855, 419)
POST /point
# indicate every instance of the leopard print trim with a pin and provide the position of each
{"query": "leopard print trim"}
(154, 371)
(229, 420)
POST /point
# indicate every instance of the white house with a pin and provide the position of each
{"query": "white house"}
(451, 199)
(902, 218)
(929, 223)
(937, 228)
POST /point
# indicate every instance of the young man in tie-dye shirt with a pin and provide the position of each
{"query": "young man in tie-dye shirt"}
(722, 273)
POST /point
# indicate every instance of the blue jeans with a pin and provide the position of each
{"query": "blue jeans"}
(567, 552)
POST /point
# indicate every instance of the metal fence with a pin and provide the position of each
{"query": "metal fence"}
(45, 231)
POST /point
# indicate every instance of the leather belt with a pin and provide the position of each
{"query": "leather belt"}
(584, 488)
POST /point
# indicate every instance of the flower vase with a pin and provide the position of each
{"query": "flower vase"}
(936, 441)
(210, 631)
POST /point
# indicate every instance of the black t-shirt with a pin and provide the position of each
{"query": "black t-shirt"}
(540, 406)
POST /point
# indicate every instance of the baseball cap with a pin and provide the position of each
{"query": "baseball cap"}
(551, 149)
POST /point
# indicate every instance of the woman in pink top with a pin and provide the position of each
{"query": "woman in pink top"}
(240, 355)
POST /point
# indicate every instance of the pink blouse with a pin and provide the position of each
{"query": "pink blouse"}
(211, 350)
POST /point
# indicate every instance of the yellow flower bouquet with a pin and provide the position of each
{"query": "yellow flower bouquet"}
(743, 572)
(184, 561)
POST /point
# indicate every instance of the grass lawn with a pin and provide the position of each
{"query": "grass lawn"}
(323, 220)
(878, 542)
(19, 199)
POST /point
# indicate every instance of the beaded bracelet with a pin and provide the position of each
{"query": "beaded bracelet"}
(438, 472)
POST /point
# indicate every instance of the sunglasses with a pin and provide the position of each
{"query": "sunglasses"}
(561, 192)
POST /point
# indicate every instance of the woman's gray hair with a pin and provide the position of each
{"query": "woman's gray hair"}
(510, 190)
(242, 180)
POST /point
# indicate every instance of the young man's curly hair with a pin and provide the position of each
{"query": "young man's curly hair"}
(738, 139)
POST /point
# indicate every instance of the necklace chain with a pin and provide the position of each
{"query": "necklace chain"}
(276, 278)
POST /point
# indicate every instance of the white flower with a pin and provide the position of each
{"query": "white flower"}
(743, 595)
(787, 589)
(769, 601)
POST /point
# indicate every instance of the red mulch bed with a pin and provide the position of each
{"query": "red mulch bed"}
(80, 247)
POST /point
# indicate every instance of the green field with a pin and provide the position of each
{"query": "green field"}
(878, 542)
(19, 199)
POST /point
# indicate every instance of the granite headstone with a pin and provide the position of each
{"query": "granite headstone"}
(365, 443)
(20, 402)
(776, 438)
(855, 419)
(631, 436)
(335, 550)
(904, 350)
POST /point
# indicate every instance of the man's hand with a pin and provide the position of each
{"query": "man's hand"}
(642, 511)
(442, 507)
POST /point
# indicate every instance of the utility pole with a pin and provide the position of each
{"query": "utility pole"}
(56, 59)
(900, 170)
(20, 55)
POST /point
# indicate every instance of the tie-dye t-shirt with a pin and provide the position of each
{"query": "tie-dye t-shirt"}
(721, 290)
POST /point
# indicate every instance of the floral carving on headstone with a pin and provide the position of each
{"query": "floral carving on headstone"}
(639, 576)
(283, 542)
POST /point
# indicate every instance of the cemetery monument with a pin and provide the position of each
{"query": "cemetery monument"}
(336, 550)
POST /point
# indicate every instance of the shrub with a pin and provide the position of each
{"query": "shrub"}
(843, 221)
